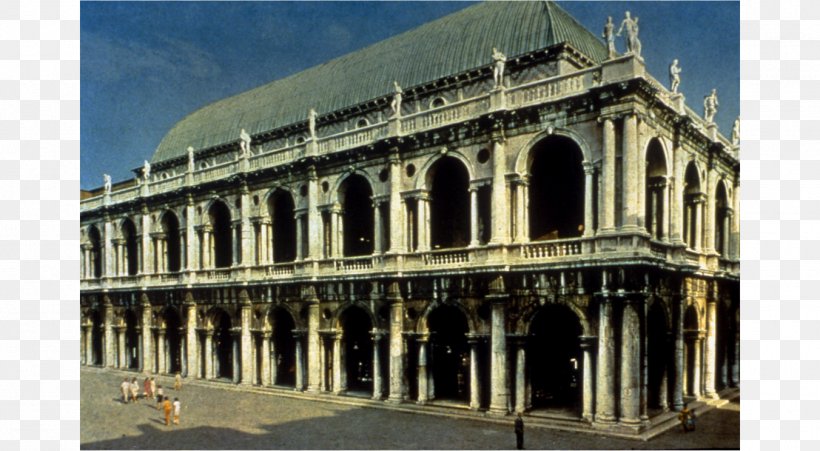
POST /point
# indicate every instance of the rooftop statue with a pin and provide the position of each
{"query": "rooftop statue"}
(609, 35)
(146, 170)
(395, 104)
(107, 183)
(736, 132)
(245, 143)
(190, 158)
(312, 123)
(710, 104)
(498, 69)
(674, 76)
(633, 44)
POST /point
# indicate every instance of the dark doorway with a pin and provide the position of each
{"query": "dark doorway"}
(355, 196)
(692, 346)
(284, 348)
(172, 338)
(220, 217)
(357, 344)
(284, 226)
(656, 199)
(223, 344)
(96, 252)
(692, 196)
(170, 226)
(659, 350)
(129, 234)
(554, 358)
(721, 224)
(556, 205)
(132, 340)
(450, 204)
(449, 356)
(96, 338)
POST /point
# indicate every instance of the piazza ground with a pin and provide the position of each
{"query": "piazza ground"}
(215, 417)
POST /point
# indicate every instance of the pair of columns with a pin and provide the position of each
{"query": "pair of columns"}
(634, 177)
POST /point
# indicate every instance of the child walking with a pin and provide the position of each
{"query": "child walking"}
(160, 397)
(166, 406)
(177, 407)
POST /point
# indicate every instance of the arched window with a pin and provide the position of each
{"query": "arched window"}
(173, 251)
(96, 252)
(450, 204)
(656, 191)
(722, 215)
(219, 217)
(131, 249)
(355, 196)
(556, 207)
(283, 225)
(693, 199)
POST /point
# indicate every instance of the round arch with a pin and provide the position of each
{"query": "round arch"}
(526, 318)
(334, 192)
(424, 177)
(337, 315)
(523, 159)
(220, 219)
(355, 194)
(422, 323)
(264, 205)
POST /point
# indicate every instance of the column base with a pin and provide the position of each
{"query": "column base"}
(376, 398)
(604, 419)
(394, 399)
(711, 395)
(498, 411)
(421, 402)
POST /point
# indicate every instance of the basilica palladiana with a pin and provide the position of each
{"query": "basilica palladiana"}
(495, 211)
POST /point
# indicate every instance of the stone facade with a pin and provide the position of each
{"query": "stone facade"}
(564, 241)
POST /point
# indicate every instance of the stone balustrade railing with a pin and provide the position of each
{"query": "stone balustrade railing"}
(554, 248)
(354, 264)
(552, 88)
(277, 156)
(216, 172)
(169, 184)
(353, 138)
(440, 258)
(125, 194)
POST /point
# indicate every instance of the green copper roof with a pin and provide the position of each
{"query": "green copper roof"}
(447, 46)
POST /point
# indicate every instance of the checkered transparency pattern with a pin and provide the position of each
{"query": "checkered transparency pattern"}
(39, 224)
(780, 225)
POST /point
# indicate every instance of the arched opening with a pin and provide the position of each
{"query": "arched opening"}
(357, 349)
(170, 227)
(659, 352)
(96, 338)
(129, 234)
(173, 352)
(96, 252)
(450, 204)
(357, 216)
(722, 346)
(692, 207)
(283, 351)
(722, 220)
(132, 340)
(656, 190)
(223, 345)
(283, 221)
(220, 218)
(692, 350)
(556, 206)
(449, 355)
(554, 358)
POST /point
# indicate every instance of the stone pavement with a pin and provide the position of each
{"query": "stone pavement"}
(214, 417)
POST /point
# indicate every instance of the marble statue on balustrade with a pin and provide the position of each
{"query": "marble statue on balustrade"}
(736, 132)
(312, 123)
(107, 183)
(710, 104)
(674, 76)
(190, 159)
(633, 44)
(609, 36)
(146, 170)
(499, 60)
(395, 104)
(244, 144)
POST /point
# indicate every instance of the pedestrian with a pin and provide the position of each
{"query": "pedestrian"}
(159, 397)
(125, 389)
(178, 382)
(166, 406)
(135, 389)
(146, 387)
(519, 432)
(177, 408)
(153, 387)
(687, 418)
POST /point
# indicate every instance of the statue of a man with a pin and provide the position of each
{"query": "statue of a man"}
(710, 104)
(190, 158)
(146, 170)
(609, 35)
(736, 132)
(499, 59)
(245, 143)
(395, 104)
(674, 76)
(107, 183)
(631, 26)
(312, 123)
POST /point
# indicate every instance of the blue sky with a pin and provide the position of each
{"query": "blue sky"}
(146, 65)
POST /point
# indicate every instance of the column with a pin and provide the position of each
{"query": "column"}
(118, 251)
(521, 375)
(588, 400)
(263, 243)
(314, 369)
(206, 247)
(520, 236)
(605, 377)
(209, 354)
(300, 242)
(698, 223)
(147, 252)
(664, 395)
(236, 231)
(631, 170)
(664, 206)
(608, 182)
(397, 221)
(147, 356)
(161, 369)
(377, 368)
(336, 238)
(108, 333)
(300, 361)
(378, 229)
(709, 219)
(246, 344)
(423, 228)
(727, 230)
(630, 364)
(500, 214)
(396, 342)
(236, 354)
(676, 205)
(267, 378)
(183, 357)
(191, 351)
(640, 179)
(475, 394)
(499, 387)
(709, 368)
(245, 248)
(736, 222)
(677, 391)
(192, 254)
(337, 362)
(89, 344)
(422, 368)
(697, 343)
(121, 363)
(473, 216)
(314, 218)
(589, 171)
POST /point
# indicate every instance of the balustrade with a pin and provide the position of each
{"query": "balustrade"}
(446, 258)
(354, 264)
(169, 184)
(548, 249)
